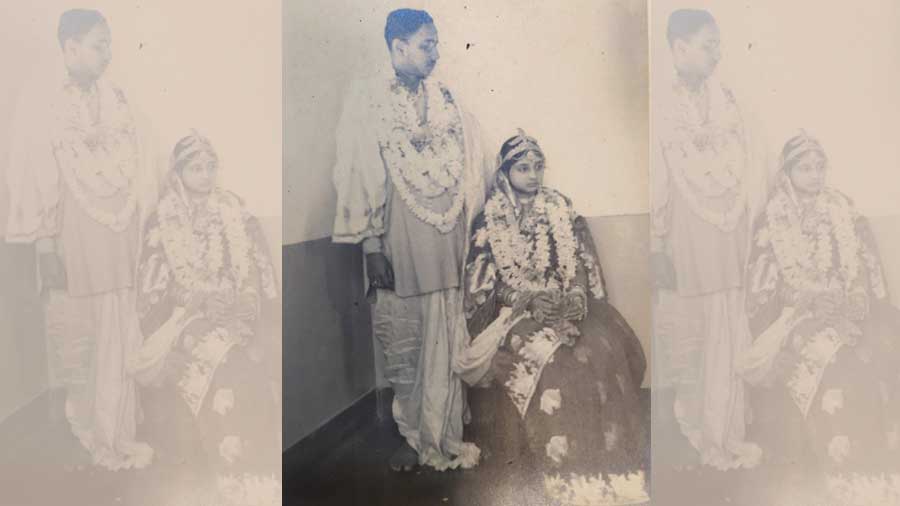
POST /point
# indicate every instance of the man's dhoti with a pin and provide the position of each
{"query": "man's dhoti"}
(698, 341)
(92, 336)
(420, 336)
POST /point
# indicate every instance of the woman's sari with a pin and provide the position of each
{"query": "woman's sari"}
(826, 339)
(563, 397)
(211, 382)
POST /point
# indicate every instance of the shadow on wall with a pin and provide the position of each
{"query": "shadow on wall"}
(623, 245)
(328, 357)
(886, 230)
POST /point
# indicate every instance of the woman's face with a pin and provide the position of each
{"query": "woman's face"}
(808, 174)
(199, 175)
(527, 175)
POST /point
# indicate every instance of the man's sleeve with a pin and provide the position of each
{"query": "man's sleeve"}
(358, 175)
(32, 175)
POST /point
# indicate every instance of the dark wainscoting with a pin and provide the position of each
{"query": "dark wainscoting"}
(327, 345)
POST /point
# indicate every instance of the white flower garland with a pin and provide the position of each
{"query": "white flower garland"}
(715, 139)
(105, 164)
(524, 264)
(725, 221)
(809, 264)
(196, 261)
(438, 167)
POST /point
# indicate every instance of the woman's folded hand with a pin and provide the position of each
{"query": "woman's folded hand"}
(545, 307)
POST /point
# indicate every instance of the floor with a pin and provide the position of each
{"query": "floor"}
(357, 473)
(681, 481)
(43, 464)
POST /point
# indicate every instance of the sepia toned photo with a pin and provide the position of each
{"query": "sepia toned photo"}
(773, 253)
(580, 253)
(140, 304)
(466, 230)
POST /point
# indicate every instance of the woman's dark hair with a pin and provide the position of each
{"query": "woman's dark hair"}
(797, 147)
(76, 23)
(402, 23)
(511, 144)
(684, 23)
(188, 148)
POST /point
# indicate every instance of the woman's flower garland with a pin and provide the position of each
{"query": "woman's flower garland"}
(436, 168)
(103, 161)
(196, 260)
(525, 264)
(807, 263)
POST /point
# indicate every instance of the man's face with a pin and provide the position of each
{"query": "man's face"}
(699, 54)
(89, 57)
(418, 55)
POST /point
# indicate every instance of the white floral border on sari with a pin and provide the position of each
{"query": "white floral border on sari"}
(207, 355)
(598, 490)
(534, 352)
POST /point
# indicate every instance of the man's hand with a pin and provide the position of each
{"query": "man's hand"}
(379, 271)
(663, 271)
(53, 273)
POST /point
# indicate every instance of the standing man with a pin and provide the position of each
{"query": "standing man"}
(411, 174)
(80, 178)
(706, 185)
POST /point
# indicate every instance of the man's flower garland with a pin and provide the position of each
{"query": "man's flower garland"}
(525, 264)
(436, 166)
(717, 143)
(103, 160)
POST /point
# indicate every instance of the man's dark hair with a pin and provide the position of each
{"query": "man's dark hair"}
(684, 23)
(402, 23)
(76, 23)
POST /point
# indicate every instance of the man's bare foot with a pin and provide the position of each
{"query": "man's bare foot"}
(404, 459)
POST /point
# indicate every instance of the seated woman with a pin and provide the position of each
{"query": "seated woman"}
(824, 331)
(563, 367)
(205, 283)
